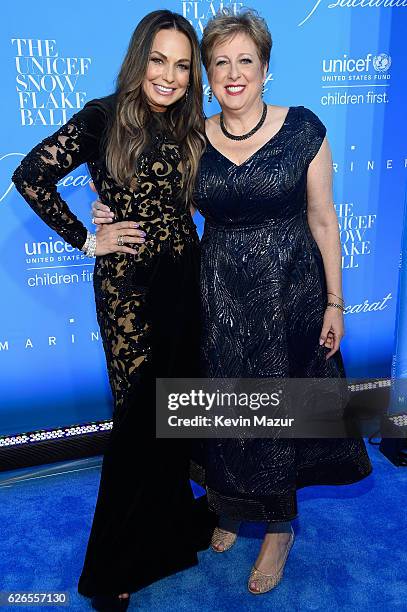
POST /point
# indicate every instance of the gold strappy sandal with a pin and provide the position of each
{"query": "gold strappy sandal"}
(266, 582)
(226, 538)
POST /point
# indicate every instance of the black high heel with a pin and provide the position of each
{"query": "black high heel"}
(110, 603)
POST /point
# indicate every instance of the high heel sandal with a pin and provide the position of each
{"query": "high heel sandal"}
(266, 582)
(226, 538)
(110, 603)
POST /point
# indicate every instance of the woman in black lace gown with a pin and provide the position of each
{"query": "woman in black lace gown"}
(270, 286)
(146, 523)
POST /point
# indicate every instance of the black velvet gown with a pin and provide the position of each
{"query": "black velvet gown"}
(146, 523)
(263, 292)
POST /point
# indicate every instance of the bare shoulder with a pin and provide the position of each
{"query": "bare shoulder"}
(277, 112)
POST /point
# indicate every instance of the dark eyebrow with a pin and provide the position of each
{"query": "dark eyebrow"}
(165, 57)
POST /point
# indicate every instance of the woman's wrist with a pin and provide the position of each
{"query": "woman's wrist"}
(89, 248)
(337, 296)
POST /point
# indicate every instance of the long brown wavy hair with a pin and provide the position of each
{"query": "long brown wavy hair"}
(128, 133)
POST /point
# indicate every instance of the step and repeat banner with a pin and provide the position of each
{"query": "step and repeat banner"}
(345, 59)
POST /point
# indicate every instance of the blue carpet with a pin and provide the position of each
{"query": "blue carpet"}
(349, 554)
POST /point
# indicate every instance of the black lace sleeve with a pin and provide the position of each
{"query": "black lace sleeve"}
(75, 143)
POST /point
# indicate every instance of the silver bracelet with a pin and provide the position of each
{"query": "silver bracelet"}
(89, 248)
(85, 246)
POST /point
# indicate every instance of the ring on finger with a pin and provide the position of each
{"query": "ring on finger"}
(120, 241)
(93, 220)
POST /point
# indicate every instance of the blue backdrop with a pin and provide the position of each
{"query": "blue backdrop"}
(343, 59)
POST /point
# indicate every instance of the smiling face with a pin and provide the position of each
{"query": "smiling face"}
(236, 74)
(168, 69)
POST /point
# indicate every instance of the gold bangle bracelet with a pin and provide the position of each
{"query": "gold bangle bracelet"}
(335, 305)
(337, 296)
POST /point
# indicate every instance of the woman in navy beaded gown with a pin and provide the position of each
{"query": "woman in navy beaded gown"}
(270, 286)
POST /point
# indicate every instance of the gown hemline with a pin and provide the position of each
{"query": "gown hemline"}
(303, 481)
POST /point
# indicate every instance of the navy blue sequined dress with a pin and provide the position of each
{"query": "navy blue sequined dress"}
(263, 300)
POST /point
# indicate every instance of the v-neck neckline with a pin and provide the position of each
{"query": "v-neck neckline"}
(257, 150)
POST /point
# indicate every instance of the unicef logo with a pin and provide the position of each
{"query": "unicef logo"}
(382, 62)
